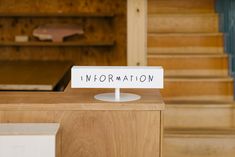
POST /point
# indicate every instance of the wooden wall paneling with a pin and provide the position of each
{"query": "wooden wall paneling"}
(137, 32)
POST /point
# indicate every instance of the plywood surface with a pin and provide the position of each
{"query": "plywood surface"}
(78, 99)
(183, 23)
(203, 143)
(181, 6)
(31, 75)
(104, 22)
(101, 133)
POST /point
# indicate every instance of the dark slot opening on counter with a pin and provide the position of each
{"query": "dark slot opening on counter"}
(34, 76)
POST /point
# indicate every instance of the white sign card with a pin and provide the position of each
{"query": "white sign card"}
(117, 77)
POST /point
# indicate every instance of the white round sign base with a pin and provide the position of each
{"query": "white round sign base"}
(124, 97)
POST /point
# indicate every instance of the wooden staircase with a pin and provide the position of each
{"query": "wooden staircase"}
(184, 38)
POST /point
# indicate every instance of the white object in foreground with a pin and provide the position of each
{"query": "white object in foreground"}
(28, 140)
(117, 77)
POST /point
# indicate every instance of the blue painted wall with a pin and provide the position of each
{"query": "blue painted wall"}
(226, 10)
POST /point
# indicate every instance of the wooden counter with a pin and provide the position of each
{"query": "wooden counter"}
(91, 128)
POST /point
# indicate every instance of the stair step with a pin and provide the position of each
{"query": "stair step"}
(185, 43)
(191, 65)
(199, 143)
(183, 23)
(181, 6)
(198, 88)
(199, 115)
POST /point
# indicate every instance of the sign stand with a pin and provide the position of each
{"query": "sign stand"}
(117, 77)
(117, 96)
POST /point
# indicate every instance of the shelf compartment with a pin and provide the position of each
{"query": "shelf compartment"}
(63, 44)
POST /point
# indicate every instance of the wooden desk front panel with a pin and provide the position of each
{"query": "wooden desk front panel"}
(100, 133)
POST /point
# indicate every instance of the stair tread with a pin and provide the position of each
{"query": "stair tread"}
(183, 14)
(187, 55)
(184, 6)
(154, 51)
(200, 103)
(185, 34)
(219, 98)
(200, 131)
(198, 78)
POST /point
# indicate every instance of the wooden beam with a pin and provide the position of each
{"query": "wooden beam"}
(137, 32)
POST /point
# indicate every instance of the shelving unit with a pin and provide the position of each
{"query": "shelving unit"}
(105, 28)
(59, 14)
(63, 44)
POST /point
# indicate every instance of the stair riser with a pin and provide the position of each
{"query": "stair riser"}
(160, 44)
(189, 62)
(185, 49)
(191, 65)
(182, 6)
(195, 23)
(199, 116)
(195, 146)
(197, 89)
(185, 41)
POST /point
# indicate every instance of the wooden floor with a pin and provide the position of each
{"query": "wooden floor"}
(184, 38)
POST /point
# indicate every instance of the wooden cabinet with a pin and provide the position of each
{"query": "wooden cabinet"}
(89, 127)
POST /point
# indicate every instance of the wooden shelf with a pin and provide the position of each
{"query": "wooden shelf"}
(56, 14)
(64, 44)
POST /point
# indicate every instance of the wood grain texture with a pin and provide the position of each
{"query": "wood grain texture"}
(191, 65)
(199, 115)
(185, 43)
(28, 75)
(55, 44)
(92, 16)
(101, 133)
(183, 23)
(29, 117)
(190, 61)
(77, 99)
(220, 89)
(204, 143)
(105, 134)
(137, 32)
(181, 6)
(58, 14)
(89, 127)
(2, 116)
(185, 40)
(31, 129)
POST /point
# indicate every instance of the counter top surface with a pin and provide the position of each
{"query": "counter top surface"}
(78, 99)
